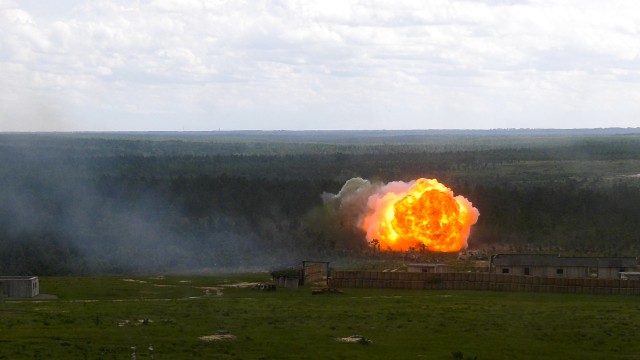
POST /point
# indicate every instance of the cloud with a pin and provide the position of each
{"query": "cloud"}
(354, 64)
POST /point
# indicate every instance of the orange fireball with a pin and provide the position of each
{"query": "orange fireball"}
(422, 213)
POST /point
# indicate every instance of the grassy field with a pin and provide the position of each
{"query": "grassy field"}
(164, 317)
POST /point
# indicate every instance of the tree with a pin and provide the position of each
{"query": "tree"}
(375, 245)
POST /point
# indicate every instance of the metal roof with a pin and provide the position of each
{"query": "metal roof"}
(18, 277)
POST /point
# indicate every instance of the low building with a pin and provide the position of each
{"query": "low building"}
(428, 268)
(19, 286)
(560, 266)
(630, 275)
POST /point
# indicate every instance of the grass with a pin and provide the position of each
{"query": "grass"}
(162, 318)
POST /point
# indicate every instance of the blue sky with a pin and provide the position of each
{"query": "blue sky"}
(107, 65)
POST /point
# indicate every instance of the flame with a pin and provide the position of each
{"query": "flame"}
(421, 213)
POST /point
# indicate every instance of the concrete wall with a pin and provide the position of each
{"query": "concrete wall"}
(291, 283)
(610, 273)
(482, 281)
(287, 282)
(551, 271)
(19, 286)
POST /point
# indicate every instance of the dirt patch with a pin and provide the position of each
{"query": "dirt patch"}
(208, 290)
(326, 291)
(45, 297)
(354, 339)
(241, 285)
(135, 322)
(220, 337)
(135, 281)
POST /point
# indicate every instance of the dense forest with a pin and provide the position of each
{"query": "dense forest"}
(108, 203)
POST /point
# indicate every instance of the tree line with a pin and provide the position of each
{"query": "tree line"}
(70, 206)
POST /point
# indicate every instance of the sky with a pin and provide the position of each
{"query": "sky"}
(189, 65)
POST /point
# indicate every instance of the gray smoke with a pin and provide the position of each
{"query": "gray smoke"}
(57, 212)
(350, 203)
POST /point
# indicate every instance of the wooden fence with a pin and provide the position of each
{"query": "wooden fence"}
(481, 281)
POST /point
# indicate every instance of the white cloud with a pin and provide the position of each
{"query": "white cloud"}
(342, 64)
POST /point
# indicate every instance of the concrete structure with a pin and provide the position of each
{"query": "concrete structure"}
(482, 281)
(428, 268)
(559, 266)
(19, 286)
(630, 275)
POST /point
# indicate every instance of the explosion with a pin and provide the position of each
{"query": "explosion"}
(422, 214)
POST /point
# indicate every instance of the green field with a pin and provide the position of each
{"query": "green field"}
(164, 317)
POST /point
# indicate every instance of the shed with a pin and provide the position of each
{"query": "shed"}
(19, 286)
(560, 266)
(428, 268)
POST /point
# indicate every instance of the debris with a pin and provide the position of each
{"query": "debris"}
(265, 287)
